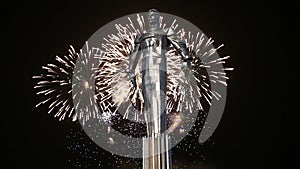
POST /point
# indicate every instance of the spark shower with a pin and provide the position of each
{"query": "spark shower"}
(91, 86)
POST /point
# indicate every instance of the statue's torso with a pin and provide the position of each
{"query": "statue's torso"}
(153, 46)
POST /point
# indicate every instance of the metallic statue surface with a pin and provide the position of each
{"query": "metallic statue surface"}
(150, 48)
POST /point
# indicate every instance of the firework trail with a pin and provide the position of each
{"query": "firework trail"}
(108, 86)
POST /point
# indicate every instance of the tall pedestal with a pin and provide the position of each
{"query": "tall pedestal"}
(156, 153)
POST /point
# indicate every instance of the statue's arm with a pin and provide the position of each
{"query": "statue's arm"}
(134, 57)
(179, 45)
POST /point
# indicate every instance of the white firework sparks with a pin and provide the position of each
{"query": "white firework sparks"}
(55, 85)
(83, 88)
(184, 93)
(113, 90)
(60, 89)
(188, 91)
(112, 83)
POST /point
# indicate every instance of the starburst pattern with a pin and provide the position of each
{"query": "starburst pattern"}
(105, 69)
(114, 89)
(184, 87)
(62, 88)
(55, 85)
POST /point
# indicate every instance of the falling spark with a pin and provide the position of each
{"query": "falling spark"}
(111, 141)
(181, 131)
(177, 119)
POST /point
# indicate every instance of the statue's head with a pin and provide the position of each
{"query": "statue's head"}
(153, 19)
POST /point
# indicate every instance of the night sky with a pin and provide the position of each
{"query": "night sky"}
(252, 133)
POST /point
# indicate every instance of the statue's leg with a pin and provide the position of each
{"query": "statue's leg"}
(156, 154)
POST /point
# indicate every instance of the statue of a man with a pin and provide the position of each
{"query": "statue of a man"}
(151, 47)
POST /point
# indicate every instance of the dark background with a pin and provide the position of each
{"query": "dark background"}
(253, 132)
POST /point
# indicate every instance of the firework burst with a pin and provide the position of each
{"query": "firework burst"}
(55, 85)
(107, 86)
(64, 82)
(184, 87)
(114, 90)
